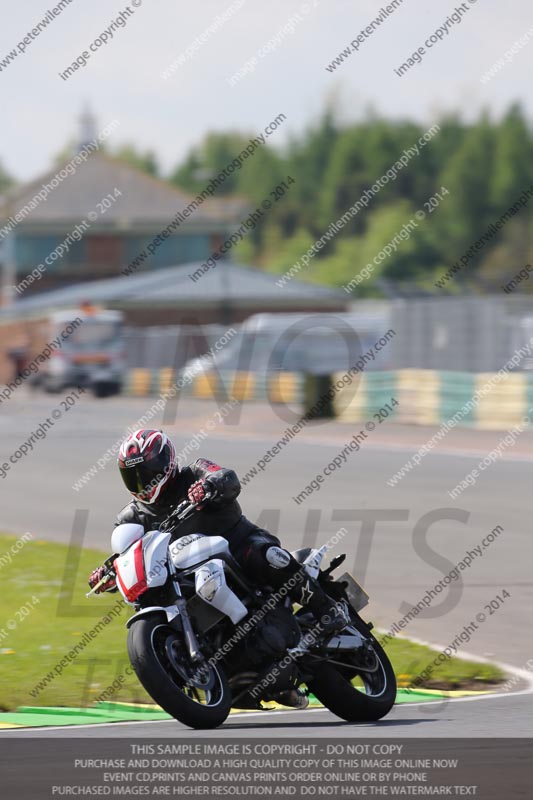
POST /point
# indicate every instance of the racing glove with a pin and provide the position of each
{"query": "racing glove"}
(197, 493)
(96, 576)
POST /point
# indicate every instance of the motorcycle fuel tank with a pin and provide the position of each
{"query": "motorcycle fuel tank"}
(187, 551)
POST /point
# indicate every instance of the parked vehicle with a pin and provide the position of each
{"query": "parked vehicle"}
(91, 356)
(312, 343)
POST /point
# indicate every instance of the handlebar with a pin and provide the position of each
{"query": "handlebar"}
(183, 511)
(109, 573)
(180, 513)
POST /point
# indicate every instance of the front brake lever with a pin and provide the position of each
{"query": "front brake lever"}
(187, 512)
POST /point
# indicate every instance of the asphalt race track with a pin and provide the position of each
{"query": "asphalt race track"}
(397, 562)
(487, 717)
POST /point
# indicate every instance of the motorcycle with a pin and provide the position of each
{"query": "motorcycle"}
(204, 640)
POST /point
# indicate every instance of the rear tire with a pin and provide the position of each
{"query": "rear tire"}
(148, 641)
(333, 687)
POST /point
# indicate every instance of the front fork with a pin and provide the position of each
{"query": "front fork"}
(191, 642)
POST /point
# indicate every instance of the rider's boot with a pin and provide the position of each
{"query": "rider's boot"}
(293, 698)
(327, 612)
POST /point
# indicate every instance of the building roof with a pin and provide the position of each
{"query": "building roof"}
(172, 286)
(145, 200)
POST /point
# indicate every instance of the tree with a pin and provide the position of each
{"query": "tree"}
(186, 175)
(485, 166)
(347, 176)
(284, 253)
(146, 162)
(216, 152)
(512, 171)
(467, 211)
(6, 181)
(364, 255)
(308, 159)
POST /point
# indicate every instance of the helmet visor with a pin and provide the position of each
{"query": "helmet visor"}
(143, 478)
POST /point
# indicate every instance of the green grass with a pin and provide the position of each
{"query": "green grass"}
(54, 625)
(410, 660)
(58, 615)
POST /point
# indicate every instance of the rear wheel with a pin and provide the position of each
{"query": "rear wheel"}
(362, 691)
(196, 695)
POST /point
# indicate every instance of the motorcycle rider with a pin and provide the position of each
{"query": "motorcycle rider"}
(148, 466)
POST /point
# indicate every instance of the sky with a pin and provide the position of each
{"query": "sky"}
(122, 79)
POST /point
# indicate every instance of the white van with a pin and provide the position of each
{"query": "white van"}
(317, 344)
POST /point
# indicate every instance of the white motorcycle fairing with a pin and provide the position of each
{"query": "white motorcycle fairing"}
(210, 578)
(125, 535)
(211, 586)
(187, 551)
(143, 565)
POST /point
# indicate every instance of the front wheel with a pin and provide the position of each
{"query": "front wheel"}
(357, 695)
(197, 696)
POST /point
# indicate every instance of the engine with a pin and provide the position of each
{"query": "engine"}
(277, 631)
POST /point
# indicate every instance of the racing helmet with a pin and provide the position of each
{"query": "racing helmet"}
(147, 463)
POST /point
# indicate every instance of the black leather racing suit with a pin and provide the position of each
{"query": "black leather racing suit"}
(248, 543)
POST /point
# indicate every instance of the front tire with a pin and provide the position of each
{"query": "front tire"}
(159, 659)
(333, 685)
